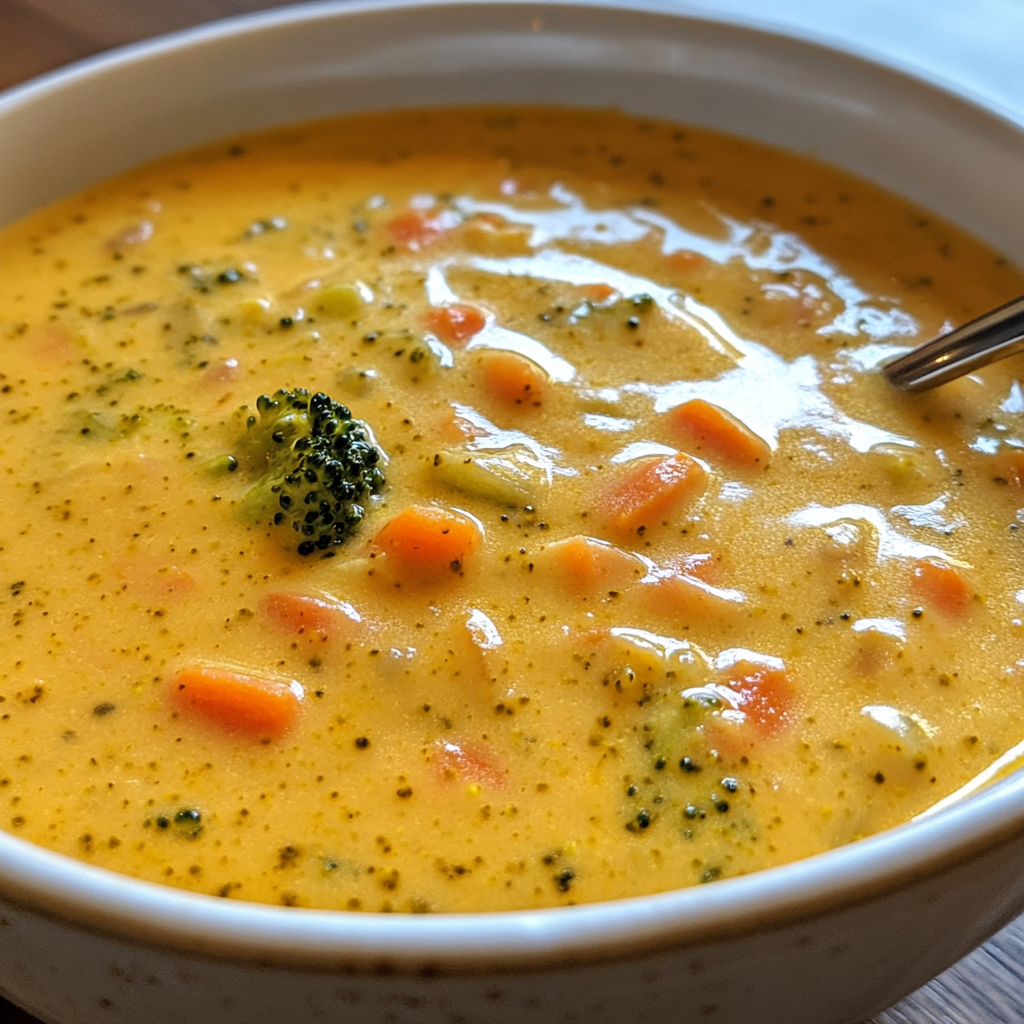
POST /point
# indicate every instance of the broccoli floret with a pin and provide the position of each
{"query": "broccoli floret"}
(314, 466)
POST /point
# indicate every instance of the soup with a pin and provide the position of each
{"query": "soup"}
(494, 508)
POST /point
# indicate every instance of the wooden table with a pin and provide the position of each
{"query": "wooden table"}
(986, 987)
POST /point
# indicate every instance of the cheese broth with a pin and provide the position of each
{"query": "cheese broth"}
(676, 646)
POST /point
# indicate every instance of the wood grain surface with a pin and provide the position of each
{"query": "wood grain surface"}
(986, 987)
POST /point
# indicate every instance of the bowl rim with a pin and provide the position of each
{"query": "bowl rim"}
(686, 10)
(100, 900)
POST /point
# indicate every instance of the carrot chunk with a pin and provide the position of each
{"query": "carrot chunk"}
(149, 580)
(512, 379)
(51, 344)
(649, 492)
(599, 293)
(704, 567)
(941, 587)
(415, 230)
(586, 565)
(468, 763)
(687, 598)
(765, 695)
(427, 542)
(718, 433)
(686, 259)
(303, 613)
(453, 427)
(234, 703)
(456, 324)
(221, 373)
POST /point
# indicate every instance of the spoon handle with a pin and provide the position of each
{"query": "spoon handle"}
(993, 335)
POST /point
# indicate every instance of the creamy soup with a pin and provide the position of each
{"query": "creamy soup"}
(494, 508)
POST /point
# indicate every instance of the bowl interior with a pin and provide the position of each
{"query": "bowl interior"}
(64, 131)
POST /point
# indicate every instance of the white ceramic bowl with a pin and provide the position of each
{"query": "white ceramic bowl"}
(830, 940)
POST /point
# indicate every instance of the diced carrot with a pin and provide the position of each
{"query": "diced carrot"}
(765, 695)
(427, 542)
(468, 764)
(456, 324)
(171, 581)
(510, 378)
(941, 587)
(453, 427)
(223, 371)
(599, 292)
(147, 580)
(686, 259)
(415, 230)
(50, 344)
(716, 432)
(648, 493)
(702, 567)
(303, 613)
(687, 598)
(586, 565)
(799, 302)
(234, 703)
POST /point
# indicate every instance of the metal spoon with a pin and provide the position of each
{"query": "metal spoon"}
(994, 335)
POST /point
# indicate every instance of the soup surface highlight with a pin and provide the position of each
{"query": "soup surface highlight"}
(610, 564)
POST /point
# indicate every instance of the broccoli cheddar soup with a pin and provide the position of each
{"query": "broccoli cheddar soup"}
(494, 508)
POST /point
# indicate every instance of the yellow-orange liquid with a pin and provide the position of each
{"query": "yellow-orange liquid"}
(525, 728)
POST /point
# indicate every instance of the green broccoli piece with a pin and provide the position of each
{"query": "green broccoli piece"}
(313, 467)
(145, 422)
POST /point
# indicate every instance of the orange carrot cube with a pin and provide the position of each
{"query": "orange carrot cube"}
(237, 704)
(687, 599)
(303, 613)
(426, 542)
(456, 324)
(415, 230)
(718, 434)
(586, 565)
(686, 259)
(470, 763)
(941, 587)
(511, 379)
(599, 293)
(648, 493)
(764, 694)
